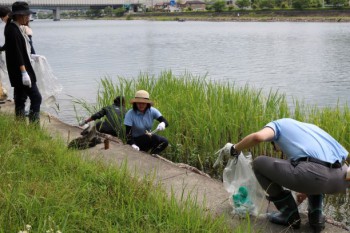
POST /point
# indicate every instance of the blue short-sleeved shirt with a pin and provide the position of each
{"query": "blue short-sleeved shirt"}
(298, 139)
(140, 122)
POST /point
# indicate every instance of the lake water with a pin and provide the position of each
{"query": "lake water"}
(307, 61)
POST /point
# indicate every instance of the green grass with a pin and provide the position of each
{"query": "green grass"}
(49, 187)
(204, 115)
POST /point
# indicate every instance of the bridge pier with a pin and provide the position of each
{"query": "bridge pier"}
(57, 14)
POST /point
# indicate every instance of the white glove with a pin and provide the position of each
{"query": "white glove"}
(82, 123)
(26, 79)
(161, 126)
(135, 147)
(226, 150)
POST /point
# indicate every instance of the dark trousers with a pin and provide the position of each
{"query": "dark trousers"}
(21, 94)
(105, 127)
(155, 143)
(306, 177)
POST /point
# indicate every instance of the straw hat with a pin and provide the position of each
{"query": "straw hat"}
(141, 96)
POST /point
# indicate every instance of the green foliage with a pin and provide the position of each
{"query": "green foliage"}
(52, 189)
(243, 3)
(300, 4)
(219, 6)
(119, 12)
(338, 3)
(266, 4)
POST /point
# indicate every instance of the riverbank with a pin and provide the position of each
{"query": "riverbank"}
(83, 204)
(326, 15)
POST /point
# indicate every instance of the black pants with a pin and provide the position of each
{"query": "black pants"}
(155, 143)
(21, 94)
(105, 127)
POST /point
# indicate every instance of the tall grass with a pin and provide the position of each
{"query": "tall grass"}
(50, 188)
(204, 115)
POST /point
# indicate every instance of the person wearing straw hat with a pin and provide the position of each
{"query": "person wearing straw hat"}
(315, 166)
(21, 73)
(139, 121)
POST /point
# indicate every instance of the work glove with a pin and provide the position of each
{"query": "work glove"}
(161, 126)
(135, 147)
(26, 79)
(82, 123)
(227, 150)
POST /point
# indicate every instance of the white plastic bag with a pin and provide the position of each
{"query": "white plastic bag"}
(47, 82)
(246, 194)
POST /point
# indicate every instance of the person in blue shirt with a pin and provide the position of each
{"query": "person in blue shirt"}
(139, 121)
(314, 166)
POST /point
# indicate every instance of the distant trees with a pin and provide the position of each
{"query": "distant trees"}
(219, 6)
(243, 3)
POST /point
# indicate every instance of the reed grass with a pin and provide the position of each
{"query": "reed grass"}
(45, 187)
(204, 115)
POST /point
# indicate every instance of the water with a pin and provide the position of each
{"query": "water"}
(307, 61)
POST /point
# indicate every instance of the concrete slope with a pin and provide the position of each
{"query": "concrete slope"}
(180, 179)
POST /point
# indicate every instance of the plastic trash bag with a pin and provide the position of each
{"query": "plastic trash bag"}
(245, 193)
(47, 82)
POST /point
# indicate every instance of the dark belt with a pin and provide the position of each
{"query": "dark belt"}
(326, 164)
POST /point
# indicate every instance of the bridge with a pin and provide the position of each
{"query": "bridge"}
(57, 5)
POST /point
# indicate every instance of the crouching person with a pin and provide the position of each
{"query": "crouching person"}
(139, 121)
(314, 166)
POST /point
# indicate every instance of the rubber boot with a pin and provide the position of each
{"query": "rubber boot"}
(20, 114)
(34, 117)
(288, 215)
(316, 218)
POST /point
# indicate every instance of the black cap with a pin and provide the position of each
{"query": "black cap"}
(21, 8)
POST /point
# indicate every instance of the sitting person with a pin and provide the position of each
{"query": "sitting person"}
(139, 121)
(114, 113)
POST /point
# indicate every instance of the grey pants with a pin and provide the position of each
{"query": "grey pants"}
(307, 177)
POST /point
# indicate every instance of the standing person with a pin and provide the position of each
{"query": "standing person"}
(21, 73)
(315, 166)
(139, 121)
(114, 118)
(4, 15)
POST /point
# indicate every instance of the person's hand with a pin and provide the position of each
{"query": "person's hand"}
(26, 79)
(135, 147)
(226, 150)
(300, 198)
(82, 123)
(161, 126)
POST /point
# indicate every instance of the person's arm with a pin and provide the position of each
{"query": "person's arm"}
(266, 134)
(162, 119)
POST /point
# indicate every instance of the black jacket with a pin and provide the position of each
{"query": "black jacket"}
(114, 116)
(16, 55)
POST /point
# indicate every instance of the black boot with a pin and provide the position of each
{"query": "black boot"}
(288, 215)
(34, 117)
(316, 218)
(20, 113)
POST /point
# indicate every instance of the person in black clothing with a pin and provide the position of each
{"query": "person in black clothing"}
(4, 15)
(113, 122)
(21, 73)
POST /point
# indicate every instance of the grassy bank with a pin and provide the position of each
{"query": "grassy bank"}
(52, 189)
(203, 115)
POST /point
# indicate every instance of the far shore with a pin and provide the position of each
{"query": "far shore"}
(315, 15)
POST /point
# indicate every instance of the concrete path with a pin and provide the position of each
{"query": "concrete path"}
(172, 177)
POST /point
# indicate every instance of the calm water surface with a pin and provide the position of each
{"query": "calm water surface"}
(307, 61)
